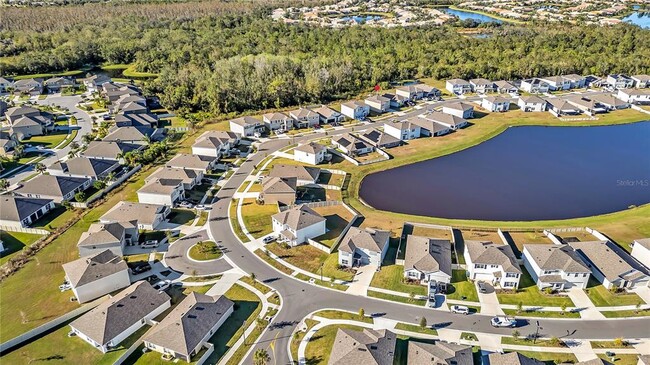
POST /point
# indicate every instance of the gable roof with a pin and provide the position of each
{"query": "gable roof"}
(428, 255)
(302, 113)
(85, 166)
(420, 353)
(644, 242)
(377, 99)
(532, 99)
(215, 139)
(443, 118)
(187, 176)
(378, 137)
(128, 211)
(298, 217)
(512, 358)
(275, 116)
(557, 257)
(190, 161)
(246, 121)
(16, 208)
(129, 133)
(609, 259)
(160, 186)
(94, 267)
(496, 99)
(561, 104)
(103, 233)
(490, 253)
(481, 82)
(51, 185)
(298, 171)
(363, 347)
(189, 322)
(368, 239)
(326, 112)
(109, 149)
(311, 148)
(458, 82)
(502, 84)
(279, 185)
(350, 142)
(115, 315)
(459, 105)
(353, 104)
(19, 111)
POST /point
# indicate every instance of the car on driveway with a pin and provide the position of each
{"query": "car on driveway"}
(150, 244)
(459, 309)
(482, 287)
(269, 239)
(162, 285)
(503, 321)
(139, 269)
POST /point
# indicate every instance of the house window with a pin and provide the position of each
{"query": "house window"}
(511, 275)
(508, 284)
(480, 266)
(584, 275)
(344, 262)
(494, 266)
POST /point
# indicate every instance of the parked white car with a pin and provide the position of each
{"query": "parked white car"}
(459, 309)
(502, 321)
(162, 285)
(269, 239)
(150, 244)
(64, 287)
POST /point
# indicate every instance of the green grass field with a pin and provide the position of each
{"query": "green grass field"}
(461, 288)
(205, 251)
(602, 297)
(257, 217)
(14, 242)
(529, 294)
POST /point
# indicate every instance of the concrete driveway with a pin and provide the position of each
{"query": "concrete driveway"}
(362, 280)
(489, 301)
(581, 300)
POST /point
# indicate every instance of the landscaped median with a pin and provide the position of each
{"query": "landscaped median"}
(205, 251)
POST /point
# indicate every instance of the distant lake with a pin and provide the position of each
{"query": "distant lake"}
(463, 15)
(361, 18)
(525, 173)
(641, 19)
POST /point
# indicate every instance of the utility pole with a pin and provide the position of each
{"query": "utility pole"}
(243, 327)
(536, 331)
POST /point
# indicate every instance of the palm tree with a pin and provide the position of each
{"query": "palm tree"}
(4, 184)
(261, 357)
(39, 167)
(110, 176)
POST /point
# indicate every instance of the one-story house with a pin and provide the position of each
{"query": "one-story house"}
(367, 346)
(56, 188)
(97, 275)
(8, 141)
(134, 134)
(298, 224)
(149, 216)
(105, 150)
(84, 167)
(117, 318)
(380, 139)
(55, 84)
(560, 107)
(352, 145)
(610, 102)
(459, 109)
(428, 260)
(430, 127)
(450, 121)
(587, 105)
(363, 247)
(634, 96)
(280, 190)
(20, 212)
(305, 175)
(439, 353)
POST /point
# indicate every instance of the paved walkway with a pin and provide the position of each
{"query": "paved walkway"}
(644, 293)
(226, 282)
(582, 301)
(361, 281)
(582, 350)
(489, 343)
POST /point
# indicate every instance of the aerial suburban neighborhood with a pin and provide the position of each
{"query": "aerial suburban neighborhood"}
(264, 191)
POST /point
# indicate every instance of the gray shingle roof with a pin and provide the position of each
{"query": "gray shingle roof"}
(369, 239)
(490, 253)
(51, 185)
(298, 217)
(459, 105)
(297, 171)
(428, 255)
(103, 233)
(15, 208)
(84, 166)
(608, 258)
(311, 147)
(187, 324)
(556, 257)
(129, 211)
(190, 161)
(279, 185)
(367, 347)
(512, 358)
(215, 139)
(92, 268)
(117, 314)
(420, 353)
(109, 149)
(187, 176)
(379, 138)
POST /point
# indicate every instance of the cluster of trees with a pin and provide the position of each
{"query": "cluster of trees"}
(231, 61)
(154, 152)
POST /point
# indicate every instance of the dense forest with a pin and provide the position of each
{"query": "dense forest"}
(231, 57)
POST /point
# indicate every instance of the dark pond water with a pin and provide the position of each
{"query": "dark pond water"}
(525, 173)
(464, 15)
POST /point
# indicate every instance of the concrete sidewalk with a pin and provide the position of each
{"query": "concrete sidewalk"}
(228, 279)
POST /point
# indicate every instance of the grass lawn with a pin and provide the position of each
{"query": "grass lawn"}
(320, 345)
(334, 314)
(200, 279)
(234, 222)
(255, 283)
(182, 216)
(468, 336)
(257, 217)
(337, 219)
(57, 348)
(14, 242)
(325, 283)
(49, 140)
(472, 235)
(396, 298)
(196, 194)
(10, 164)
(430, 232)
(543, 314)
(602, 297)
(621, 359)
(610, 344)
(626, 313)
(529, 294)
(416, 329)
(551, 358)
(174, 122)
(529, 342)
(461, 288)
(329, 178)
(137, 258)
(205, 251)
(298, 336)
(311, 259)
(203, 219)
(392, 278)
(261, 254)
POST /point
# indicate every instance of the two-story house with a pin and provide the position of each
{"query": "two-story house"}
(296, 225)
(355, 110)
(493, 263)
(555, 266)
(363, 247)
(404, 130)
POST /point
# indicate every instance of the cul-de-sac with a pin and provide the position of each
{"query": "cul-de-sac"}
(325, 182)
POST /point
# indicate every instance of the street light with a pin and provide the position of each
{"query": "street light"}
(537, 331)
(321, 272)
(243, 327)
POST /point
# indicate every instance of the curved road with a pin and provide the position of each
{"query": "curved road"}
(300, 298)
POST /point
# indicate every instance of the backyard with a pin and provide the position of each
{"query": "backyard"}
(49, 140)
(14, 242)
(311, 259)
(529, 294)
(337, 219)
(257, 217)
(182, 216)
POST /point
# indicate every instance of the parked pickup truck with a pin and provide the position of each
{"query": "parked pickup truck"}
(502, 321)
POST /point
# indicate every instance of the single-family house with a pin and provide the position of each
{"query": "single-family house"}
(305, 118)
(94, 83)
(106, 150)
(534, 86)
(491, 262)
(363, 247)
(439, 353)
(481, 86)
(57, 188)
(611, 265)
(8, 141)
(428, 260)
(130, 105)
(97, 275)
(355, 110)
(131, 134)
(459, 109)
(328, 115)
(634, 96)
(112, 91)
(3, 109)
(558, 267)
(610, 102)
(396, 101)
(147, 120)
(81, 166)
(215, 143)
(587, 105)
(149, 216)
(430, 127)
(117, 318)
(247, 126)
(367, 346)
(298, 224)
(641, 81)
(20, 212)
(28, 86)
(417, 91)
(56, 84)
(193, 162)
(278, 190)
(495, 104)
(26, 121)
(620, 81)
(305, 175)
(557, 83)
(189, 177)
(108, 236)
(458, 86)
(352, 145)
(186, 329)
(161, 191)
(311, 153)
(26, 127)
(380, 139)
(641, 251)
(277, 122)
(5, 84)
(378, 104)
(531, 103)
(577, 81)
(560, 107)
(512, 358)
(403, 130)
(504, 87)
